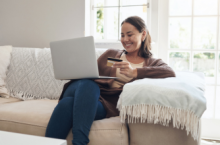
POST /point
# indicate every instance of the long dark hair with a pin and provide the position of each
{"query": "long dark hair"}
(139, 23)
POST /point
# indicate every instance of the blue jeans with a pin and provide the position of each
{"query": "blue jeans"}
(78, 109)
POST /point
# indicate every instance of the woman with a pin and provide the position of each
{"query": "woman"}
(83, 101)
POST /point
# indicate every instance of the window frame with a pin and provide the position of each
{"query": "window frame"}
(209, 125)
(152, 11)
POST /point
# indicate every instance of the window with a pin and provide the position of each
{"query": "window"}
(107, 16)
(192, 43)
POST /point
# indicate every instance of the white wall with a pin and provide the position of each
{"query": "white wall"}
(34, 23)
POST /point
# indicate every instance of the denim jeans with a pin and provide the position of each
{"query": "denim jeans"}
(78, 109)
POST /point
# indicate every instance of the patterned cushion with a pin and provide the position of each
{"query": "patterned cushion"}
(31, 75)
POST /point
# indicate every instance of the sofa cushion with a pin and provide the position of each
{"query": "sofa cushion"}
(32, 117)
(8, 100)
(31, 76)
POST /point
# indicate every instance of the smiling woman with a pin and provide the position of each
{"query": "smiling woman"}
(83, 101)
(135, 33)
(136, 40)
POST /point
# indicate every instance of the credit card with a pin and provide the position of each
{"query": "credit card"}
(111, 61)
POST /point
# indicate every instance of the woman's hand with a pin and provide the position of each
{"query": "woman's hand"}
(126, 69)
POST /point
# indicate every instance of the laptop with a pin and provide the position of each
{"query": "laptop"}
(75, 59)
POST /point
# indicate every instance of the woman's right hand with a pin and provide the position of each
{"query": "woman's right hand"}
(126, 69)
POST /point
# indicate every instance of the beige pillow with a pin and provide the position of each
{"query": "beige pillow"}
(5, 56)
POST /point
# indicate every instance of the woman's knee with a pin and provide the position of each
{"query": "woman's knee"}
(70, 91)
(83, 88)
(87, 89)
(88, 83)
(83, 83)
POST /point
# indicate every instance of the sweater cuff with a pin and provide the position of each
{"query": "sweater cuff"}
(141, 73)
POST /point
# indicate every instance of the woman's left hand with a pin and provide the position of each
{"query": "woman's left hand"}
(126, 69)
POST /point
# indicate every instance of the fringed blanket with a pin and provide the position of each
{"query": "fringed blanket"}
(178, 99)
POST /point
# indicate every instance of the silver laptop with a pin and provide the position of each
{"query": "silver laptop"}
(75, 59)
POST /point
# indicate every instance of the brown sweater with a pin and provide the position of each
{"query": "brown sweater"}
(152, 68)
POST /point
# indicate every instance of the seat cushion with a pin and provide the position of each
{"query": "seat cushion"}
(32, 117)
(8, 100)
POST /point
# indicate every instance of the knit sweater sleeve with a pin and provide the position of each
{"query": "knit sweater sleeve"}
(155, 68)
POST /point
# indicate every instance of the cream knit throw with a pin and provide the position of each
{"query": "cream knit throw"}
(180, 99)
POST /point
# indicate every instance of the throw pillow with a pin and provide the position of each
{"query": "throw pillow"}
(31, 75)
(5, 56)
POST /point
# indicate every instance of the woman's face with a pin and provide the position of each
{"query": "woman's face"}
(131, 38)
